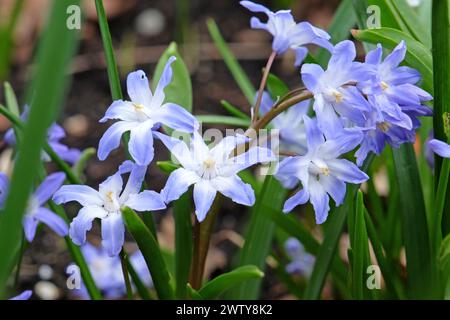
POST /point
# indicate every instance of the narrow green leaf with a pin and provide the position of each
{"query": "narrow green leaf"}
(183, 243)
(414, 221)
(230, 60)
(411, 20)
(444, 265)
(226, 120)
(360, 248)
(54, 54)
(417, 56)
(333, 232)
(179, 91)
(193, 294)
(234, 111)
(140, 286)
(113, 73)
(81, 164)
(259, 235)
(151, 252)
(167, 166)
(11, 100)
(224, 282)
(276, 87)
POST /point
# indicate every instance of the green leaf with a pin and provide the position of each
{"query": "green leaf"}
(411, 22)
(140, 286)
(11, 100)
(49, 82)
(230, 60)
(151, 252)
(444, 264)
(259, 235)
(226, 120)
(224, 282)
(179, 91)
(417, 56)
(335, 225)
(167, 166)
(113, 74)
(344, 19)
(193, 294)
(414, 221)
(360, 249)
(234, 111)
(81, 164)
(183, 243)
(276, 87)
(441, 73)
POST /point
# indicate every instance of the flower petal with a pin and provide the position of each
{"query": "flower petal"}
(334, 187)
(177, 147)
(113, 234)
(147, 200)
(313, 134)
(23, 296)
(440, 148)
(320, 201)
(175, 117)
(178, 183)
(346, 171)
(346, 142)
(82, 223)
(134, 183)
(253, 156)
(84, 195)
(301, 197)
(53, 221)
(254, 7)
(141, 143)
(311, 73)
(49, 186)
(164, 80)
(204, 195)
(111, 138)
(235, 189)
(138, 88)
(29, 227)
(123, 110)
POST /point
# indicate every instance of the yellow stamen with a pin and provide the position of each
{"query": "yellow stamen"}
(384, 126)
(138, 106)
(209, 163)
(325, 171)
(338, 96)
(384, 85)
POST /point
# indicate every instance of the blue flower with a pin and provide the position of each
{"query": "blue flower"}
(142, 116)
(4, 185)
(333, 94)
(211, 171)
(440, 148)
(290, 123)
(54, 134)
(320, 171)
(23, 296)
(302, 262)
(286, 33)
(106, 203)
(107, 271)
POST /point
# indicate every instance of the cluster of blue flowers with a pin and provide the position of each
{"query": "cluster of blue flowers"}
(360, 106)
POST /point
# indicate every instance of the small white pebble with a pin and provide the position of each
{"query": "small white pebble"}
(150, 22)
(46, 290)
(77, 125)
(45, 272)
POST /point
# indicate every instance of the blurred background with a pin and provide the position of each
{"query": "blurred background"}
(141, 30)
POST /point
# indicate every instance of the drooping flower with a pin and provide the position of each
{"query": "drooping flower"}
(54, 135)
(106, 203)
(36, 212)
(302, 262)
(320, 171)
(142, 116)
(290, 123)
(440, 148)
(211, 170)
(287, 34)
(334, 91)
(107, 271)
(23, 296)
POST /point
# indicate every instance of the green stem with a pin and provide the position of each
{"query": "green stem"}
(202, 235)
(123, 262)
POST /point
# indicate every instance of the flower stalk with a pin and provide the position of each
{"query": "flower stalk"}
(123, 262)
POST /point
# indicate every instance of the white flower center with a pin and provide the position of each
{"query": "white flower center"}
(333, 95)
(318, 167)
(208, 169)
(32, 207)
(141, 112)
(384, 85)
(111, 202)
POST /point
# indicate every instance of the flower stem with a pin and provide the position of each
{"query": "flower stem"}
(202, 235)
(262, 86)
(123, 261)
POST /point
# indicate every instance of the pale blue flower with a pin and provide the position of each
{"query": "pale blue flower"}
(54, 135)
(302, 262)
(335, 97)
(23, 296)
(290, 123)
(106, 203)
(36, 212)
(440, 148)
(320, 171)
(211, 170)
(142, 116)
(4, 185)
(107, 271)
(287, 34)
